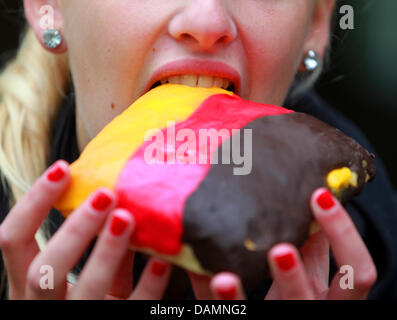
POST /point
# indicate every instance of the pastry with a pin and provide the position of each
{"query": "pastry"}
(199, 203)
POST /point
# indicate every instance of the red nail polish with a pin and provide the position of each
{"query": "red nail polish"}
(286, 261)
(118, 225)
(228, 293)
(56, 174)
(325, 200)
(158, 268)
(101, 201)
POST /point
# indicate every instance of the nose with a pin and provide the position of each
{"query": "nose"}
(203, 25)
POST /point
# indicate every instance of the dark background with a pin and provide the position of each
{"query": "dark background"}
(360, 80)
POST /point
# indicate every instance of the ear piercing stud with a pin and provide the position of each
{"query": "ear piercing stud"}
(312, 61)
(52, 38)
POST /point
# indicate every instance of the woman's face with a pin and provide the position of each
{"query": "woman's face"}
(115, 46)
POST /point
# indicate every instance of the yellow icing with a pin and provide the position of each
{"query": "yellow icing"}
(104, 157)
(341, 179)
(250, 245)
(185, 259)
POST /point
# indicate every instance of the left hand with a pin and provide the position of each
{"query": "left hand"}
(305, 275)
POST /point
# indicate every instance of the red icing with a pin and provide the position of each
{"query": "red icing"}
(156, 193)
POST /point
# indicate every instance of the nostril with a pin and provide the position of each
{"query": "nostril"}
(206, 41)
(185, 37)
(223, 39)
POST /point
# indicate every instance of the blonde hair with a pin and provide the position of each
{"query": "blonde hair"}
(32, 87)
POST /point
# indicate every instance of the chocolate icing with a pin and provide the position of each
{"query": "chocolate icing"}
(292, 155)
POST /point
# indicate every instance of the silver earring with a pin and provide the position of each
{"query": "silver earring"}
(312, 60)
(52, 38)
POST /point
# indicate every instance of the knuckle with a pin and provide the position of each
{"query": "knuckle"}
(365, 279)
(106, 255)
(6, 242)
(109, 253)
(33, 280)
(345, 228)
(10, 240)
(34, 200)
(82, 223)
(76, 230)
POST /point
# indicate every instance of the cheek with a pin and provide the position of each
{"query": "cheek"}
(105, 39)
(99, 35)
(274, 48)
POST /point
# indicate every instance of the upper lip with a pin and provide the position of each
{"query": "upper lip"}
(194, 66)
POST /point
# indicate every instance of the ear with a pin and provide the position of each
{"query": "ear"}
(319, 31)
(43, 15)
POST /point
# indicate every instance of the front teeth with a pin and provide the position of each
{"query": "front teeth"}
(193, 80)
(189, 80)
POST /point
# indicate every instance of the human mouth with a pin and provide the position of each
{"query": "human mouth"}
(197, 73)
(196, 80)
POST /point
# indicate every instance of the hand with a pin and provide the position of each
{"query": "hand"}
(304, 275)
(108, 271)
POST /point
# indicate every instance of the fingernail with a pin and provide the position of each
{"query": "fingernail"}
(56, 173)
(325, 200)
(119, 224)
(158, 268)
(101, 201)
(285, 261)
(228, 293)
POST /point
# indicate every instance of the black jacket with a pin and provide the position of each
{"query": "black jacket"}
(374, 211)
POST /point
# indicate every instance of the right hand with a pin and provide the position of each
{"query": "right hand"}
(108, 271)
(301, 274)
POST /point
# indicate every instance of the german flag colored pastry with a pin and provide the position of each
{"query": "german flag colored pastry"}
(174, 158)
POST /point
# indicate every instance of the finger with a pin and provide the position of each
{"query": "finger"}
(69, 243)
(201, 286)
(153, 282)
(34, 206)
(273, 293)
(227, 286)
(315, 264)
(347, 246)
(123, 280)
(17, 232)
(315, 256)
(101, 267)
(288, 271)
